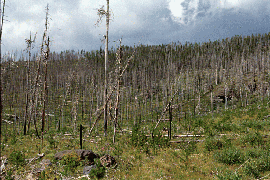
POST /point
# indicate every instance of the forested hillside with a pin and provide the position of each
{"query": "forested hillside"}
(173, 90)
(238, 64)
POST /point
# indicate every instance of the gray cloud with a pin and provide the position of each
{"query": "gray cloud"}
(72, 23)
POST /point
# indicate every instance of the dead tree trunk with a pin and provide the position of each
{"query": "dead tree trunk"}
(106, 61)
(45, 54)
(1, 106)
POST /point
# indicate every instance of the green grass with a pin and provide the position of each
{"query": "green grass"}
(234, 145)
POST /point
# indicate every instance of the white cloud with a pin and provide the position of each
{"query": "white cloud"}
(186, 12)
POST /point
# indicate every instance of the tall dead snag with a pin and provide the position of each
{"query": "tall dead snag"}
(106, 61)
(27, 115)
(167, 107)
(45, 55)
(1, 106)
(101, 12)
(75, 102)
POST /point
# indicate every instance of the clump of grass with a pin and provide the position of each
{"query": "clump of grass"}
(252, 111)
(252, 169)
(263, 112)
(254, 139)
(225, 124)
(229, 175)
(257, 165)
(254, 124)
(229, 156)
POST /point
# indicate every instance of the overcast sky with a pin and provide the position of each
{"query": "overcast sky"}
(72, 23)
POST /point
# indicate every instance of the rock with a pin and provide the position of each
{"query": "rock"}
(107, 160)
(45, 162)
(31, 176)
(87, 169)
(39, 156)
(3, 163)
(37, 171)
(83, 154)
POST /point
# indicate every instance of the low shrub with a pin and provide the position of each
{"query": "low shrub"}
(158, 141)
(51, 140)
(17, 158)
(138, 138)
(71, 161)
(9, 175)
(255, 153)
(99, 171)
(13, 139)
(212, 143)
(188, 148)
(264, 162)
(222, 126)
(31, 132)
(209, 129)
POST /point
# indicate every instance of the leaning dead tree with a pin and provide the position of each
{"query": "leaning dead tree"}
(99, 111)
(167, 106)
(118, 69)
